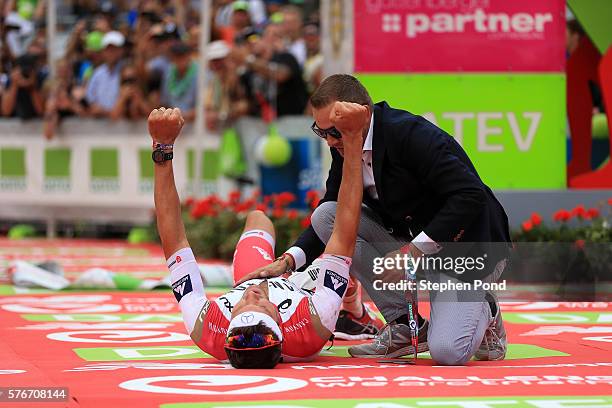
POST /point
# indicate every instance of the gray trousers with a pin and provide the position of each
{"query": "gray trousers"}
(457, 326)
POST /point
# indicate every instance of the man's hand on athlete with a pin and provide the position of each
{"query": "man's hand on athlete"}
(395, 275)
(273, 270)
(165, 124)
(350, 119)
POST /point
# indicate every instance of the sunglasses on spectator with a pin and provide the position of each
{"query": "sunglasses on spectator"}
(323, 133)
(128, 80)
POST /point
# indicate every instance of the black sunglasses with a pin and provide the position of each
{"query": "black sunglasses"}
(323, 133)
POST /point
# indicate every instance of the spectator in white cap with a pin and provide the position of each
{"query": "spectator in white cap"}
(103, 88)
(225, 100)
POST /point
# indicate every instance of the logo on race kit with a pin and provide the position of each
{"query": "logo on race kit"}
(335, 282)
(247, 318)
(182, 287)
(263, 253)
(177, 260)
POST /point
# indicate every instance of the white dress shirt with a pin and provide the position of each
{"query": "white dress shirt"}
(422, 241)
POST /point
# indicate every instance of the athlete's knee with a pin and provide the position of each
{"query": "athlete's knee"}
(257, 219)
(322, 219)
(449, 351)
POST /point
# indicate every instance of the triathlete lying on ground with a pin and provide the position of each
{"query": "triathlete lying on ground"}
(261, 320)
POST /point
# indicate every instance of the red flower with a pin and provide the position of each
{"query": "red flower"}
(305, 223)
(527, 225)
(579, 243)
(610, 201)
(234, 196)
(292, 214)
(189, 201)
(579, 212)
(278, 213)
(312, 198)
(536, 219)
(561, 215)
(283, 199)
(593, 213)
(261, 207)
(203, 209)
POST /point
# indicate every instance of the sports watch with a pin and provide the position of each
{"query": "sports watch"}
(160, 152)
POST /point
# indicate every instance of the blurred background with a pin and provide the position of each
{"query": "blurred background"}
(523, 85)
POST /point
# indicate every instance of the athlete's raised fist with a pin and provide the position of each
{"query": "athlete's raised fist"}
(165, 124)
(349, 118)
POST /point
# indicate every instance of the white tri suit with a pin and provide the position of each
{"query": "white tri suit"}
(308, 302)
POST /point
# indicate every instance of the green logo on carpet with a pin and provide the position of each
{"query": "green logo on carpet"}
(558, 318)
(493, 402)
(140, 353)
(515, 352)
(92, 317)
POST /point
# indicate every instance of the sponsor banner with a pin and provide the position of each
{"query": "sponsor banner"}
(500, 120)
(472, 402)
(12, 169)
(459, 36)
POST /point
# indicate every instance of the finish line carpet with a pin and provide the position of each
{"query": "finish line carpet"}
(129, 349)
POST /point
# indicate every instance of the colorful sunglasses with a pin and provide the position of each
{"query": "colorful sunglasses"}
(323, 133)
(256, 342)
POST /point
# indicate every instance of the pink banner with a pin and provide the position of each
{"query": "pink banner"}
(459, 35)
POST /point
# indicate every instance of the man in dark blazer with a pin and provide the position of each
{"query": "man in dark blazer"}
(422, 193)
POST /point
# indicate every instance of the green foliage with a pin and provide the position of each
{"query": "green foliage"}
(22, 231)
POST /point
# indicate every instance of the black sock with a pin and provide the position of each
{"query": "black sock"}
(493, 307)
(492, 304)
(404, 320)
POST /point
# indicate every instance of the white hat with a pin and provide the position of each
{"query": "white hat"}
(246, 319)
(217, 50)
(113, 38)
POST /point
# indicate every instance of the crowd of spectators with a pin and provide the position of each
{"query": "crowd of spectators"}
(120, 59)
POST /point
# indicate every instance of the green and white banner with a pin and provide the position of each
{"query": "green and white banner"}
(512, 126)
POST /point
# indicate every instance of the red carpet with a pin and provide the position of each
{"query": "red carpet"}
(129, 349)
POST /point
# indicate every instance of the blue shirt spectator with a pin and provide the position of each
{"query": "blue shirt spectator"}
(103, 87)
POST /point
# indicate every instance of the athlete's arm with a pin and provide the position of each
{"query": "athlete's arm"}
(187, 286)
(351, 119)
(164, 127)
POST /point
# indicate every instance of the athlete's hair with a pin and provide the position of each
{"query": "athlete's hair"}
(342, 88)
(253, 347)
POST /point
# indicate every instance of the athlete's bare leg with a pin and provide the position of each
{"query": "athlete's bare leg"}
(258, 220)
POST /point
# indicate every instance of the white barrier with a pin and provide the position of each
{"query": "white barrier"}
(101, 171)
(96, 170)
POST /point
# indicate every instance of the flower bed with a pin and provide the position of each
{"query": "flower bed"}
(214, 225)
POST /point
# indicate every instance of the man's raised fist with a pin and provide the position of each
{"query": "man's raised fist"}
(349, 118)
(165, 124)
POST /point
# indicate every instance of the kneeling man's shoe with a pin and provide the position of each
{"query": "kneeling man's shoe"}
(391, 342)
(494, 344)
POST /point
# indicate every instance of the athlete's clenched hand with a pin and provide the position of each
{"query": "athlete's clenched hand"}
(165, 124)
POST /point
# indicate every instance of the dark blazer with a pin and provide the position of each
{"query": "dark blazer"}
(425, 182)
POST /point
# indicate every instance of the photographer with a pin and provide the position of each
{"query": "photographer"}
(22, 96)
(132, 103)
(64, 98)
